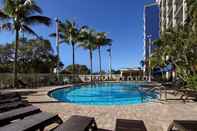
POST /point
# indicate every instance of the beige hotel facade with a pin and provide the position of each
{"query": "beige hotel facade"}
(172, 13)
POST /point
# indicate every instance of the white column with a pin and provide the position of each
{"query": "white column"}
(174, 75)
(121, 74)
(162, 15)
(184, 11)
(167, 14)
(167, 76)
(174, 6)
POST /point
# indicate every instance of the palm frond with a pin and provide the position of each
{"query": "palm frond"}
(61, 36)
(62, 26)
(102, 40)
(29, 31)
(31, 7)
(52, 35)
(3, 15)
(38, 20)
(68, 32)
(6, 27)
(84, 27)
(9, 6)
(83, 44)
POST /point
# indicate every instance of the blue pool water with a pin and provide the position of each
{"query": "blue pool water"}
(104, 94)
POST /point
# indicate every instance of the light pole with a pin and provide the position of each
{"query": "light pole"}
(57, 46)
(149, 61)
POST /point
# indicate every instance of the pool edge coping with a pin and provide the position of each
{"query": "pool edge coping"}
(75, 104)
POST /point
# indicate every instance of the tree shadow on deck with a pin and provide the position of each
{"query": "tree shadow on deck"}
(25, 95)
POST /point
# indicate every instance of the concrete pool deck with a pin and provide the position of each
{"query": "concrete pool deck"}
(156, 115)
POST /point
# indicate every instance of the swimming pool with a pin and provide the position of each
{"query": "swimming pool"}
(104, 94)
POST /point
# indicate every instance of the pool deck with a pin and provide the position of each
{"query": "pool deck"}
(156, 115)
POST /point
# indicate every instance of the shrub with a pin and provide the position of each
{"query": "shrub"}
(192, 82)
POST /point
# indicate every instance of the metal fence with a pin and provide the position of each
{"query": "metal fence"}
(39, 80)
(30, 80)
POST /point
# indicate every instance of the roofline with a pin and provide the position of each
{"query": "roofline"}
(150, 4)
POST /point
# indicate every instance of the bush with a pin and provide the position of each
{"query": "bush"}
(192, 82)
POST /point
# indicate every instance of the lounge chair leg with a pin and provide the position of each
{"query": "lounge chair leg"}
(59, 120)
(175, 93)
(42, 129)
(94, 126)
(186, 99)
(170, 127)
(181, 97)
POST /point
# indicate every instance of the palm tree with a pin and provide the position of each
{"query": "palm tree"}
(68, 33)
(87, 40)
(19, 15)
(101, 40)
(110, 60)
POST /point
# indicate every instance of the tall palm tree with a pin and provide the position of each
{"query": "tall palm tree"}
(19, 15)
(101, 40)
(68, 33)
(110, 60)
(87, 40)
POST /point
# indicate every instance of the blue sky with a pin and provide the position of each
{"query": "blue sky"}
(122, 19)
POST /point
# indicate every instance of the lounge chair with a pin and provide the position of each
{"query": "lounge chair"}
(9, 100)
(20, 113)
(187, 93)
(103, 130)
(33, 122)
(177, 84)
(13, 105)
(183, 125)
(4, 95)
(8, 97)
(130, 125)
(79, 123)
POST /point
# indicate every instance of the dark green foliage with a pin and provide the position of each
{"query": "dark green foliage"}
(116, 72)
(192, 82)
(19, 16)
(34, 56)
(80, 69)
(68, 34)
(6, 58)
(180, 44)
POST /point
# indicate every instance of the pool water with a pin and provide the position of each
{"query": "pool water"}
(104, 94)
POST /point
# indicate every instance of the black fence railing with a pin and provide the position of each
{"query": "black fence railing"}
(41, 80)
(27, 80)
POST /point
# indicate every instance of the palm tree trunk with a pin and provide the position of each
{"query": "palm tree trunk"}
(73, 55)
(99, 52)
(90, 51)
(110, 62)
(16, 59)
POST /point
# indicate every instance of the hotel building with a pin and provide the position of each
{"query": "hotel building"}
(151, 31)
(172, 13)
(159, 16)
